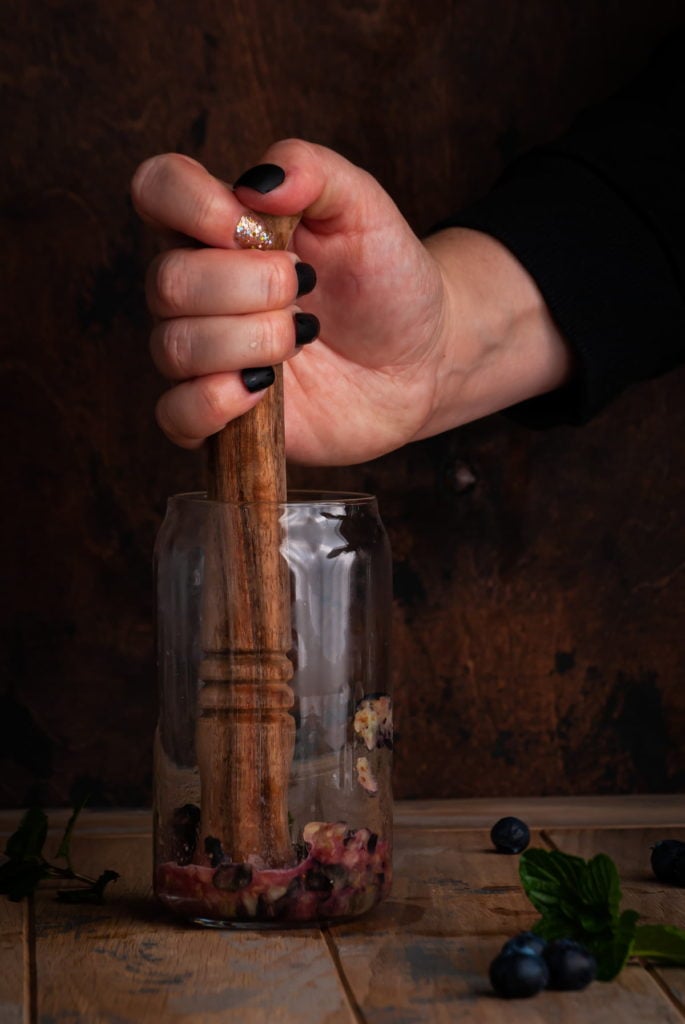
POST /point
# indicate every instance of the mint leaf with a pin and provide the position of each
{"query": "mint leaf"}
(580, 900)
(554, 925)
(550, 878)
(20, 878)
(600, 887)
(659, 942)
(29, 839)
(612, 950)
(25, 866)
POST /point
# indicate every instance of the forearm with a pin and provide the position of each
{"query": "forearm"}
(498, 342)
(597, 218)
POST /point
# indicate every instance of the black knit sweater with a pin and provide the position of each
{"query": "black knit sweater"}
(598, 220)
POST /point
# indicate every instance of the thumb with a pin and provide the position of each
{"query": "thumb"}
(333, 194)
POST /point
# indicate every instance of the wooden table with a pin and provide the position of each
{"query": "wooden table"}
(422, 956)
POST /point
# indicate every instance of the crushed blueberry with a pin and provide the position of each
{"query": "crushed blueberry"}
(510, 835)
(317, 881)
(373, 721)
(343, 872)
(232, 877)
(185, 826)
(214, 850)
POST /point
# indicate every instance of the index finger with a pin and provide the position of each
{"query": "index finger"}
(172, 191)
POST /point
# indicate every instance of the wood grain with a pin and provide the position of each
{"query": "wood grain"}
(15, 965)
(538, 608)
(422, 956)
(245, 734)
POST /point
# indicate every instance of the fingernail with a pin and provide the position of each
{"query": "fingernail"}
(307, 328)
(306, 278)
(262, 178)
(258, 378)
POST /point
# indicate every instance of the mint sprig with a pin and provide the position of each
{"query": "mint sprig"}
(580, 900)
(26, 867)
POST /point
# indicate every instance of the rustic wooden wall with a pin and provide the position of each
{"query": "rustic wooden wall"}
(540, 591)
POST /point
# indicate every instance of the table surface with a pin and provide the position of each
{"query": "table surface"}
(423, 955)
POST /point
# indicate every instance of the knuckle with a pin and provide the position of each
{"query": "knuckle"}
(212, 397)
(177, 348)
(273, 342)
(206, 213)
(278, 282)
(171, 282)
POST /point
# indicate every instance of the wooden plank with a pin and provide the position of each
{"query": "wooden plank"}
(132, 821)
(653, 810)
(546, 812)
(14, 973)
(408, 976)
(128, 960)
(673, 981)
(450, 882)
(424, 956)
(421, 956)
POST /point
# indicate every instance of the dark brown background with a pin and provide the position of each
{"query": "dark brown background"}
(540, 608)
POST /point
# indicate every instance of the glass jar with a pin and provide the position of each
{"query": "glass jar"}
(273, 801)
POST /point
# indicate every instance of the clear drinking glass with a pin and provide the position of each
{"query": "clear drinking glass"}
(329, 724)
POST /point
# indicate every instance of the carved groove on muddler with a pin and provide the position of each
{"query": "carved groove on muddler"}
(245, 732)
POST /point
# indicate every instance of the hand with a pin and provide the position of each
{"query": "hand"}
(414, 338)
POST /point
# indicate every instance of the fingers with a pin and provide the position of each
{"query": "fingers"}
(190, 347)
(208, 282)
(331, 191)
(176, 193)
(192, 411)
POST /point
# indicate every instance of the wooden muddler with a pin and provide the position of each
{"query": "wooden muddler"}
(245, 733)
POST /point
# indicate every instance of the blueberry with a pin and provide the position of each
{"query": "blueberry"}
(525, 942)
(232, 877)
(315, 880)
(668, 861)
(571, 966)
(214, 850)
(185, 825)
(510, 835)
(517, 975)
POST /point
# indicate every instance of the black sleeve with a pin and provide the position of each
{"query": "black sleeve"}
(598, 220)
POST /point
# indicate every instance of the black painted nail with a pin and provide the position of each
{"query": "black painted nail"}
(262, 178)
(258, 378)
(307, 327)
(306, 278)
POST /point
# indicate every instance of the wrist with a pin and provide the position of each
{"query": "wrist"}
(497, 343)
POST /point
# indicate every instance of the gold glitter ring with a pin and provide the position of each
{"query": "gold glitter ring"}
(264, 231)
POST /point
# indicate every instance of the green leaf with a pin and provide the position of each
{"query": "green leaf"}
(554, 926)
(550, 877)
(29, 839)
(600, 886)
(20, 878)
(64, 849)
(660, 942)
(613, 950)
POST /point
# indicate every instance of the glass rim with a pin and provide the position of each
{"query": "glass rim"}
(295, 498)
